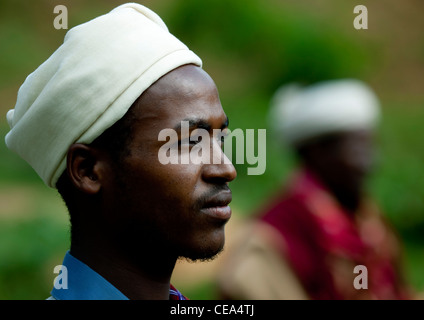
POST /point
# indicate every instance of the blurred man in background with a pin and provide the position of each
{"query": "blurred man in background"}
(88, 121)
(309, 241)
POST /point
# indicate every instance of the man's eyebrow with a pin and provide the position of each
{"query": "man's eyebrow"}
(195, 123)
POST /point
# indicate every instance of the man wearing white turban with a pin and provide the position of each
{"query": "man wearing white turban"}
(308, 242)
(88, 120)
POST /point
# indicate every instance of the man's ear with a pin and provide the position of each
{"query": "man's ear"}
(83, 168)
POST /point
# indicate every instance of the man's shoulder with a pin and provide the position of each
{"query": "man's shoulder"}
(288, 209)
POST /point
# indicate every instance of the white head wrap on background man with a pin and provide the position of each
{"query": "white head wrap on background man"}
(89, 83)
(298, 114)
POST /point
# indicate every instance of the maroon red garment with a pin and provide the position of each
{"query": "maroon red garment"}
(174, 294)
(323, 243)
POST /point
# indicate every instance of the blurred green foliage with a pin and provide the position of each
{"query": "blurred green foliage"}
(250, 48)
(274, 43)
(26, 267)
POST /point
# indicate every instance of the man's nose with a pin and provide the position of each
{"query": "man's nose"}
(220, 168)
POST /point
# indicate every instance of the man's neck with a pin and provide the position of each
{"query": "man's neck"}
(349, 202)
(142, 277)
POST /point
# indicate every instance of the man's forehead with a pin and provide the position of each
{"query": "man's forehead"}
(183, 81)
(187, 92)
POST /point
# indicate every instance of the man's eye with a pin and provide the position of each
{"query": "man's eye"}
(195, 140)
(190, 141)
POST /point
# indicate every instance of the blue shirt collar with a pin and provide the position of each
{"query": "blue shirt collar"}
(83, 283)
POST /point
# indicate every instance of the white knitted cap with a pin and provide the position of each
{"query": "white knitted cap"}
(298, 114)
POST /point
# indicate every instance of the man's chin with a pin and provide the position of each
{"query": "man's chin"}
(201, 256)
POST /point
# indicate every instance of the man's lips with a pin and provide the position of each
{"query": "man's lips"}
(217, 206)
